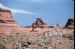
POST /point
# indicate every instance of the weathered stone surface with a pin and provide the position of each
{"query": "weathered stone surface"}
(6, 16)
(70, 24)
(7, 23)
(37, 36)
(56, 39)
(39, 23)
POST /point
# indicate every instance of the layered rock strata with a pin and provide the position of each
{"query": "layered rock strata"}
(37, 36)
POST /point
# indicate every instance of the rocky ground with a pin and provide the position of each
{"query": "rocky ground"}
(53, 39)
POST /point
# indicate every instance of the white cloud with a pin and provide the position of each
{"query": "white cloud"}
(22, 11)
(38, 1)
(33, 1)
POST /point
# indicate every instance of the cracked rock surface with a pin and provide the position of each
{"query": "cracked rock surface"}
(45, 40)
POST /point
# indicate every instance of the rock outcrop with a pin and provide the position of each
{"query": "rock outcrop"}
(7, 23)
(70, 24)
(39, 23)
(43, 36)
(6, 16)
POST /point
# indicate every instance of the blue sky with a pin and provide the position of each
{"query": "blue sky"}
(52, 12)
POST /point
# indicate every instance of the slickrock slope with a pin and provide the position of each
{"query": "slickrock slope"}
(37, 36)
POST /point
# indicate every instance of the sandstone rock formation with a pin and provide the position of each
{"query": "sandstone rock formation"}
(52, 39)
(7, 23)
(6, 16)
(39, 23)
(70, 24)
(46, 37)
